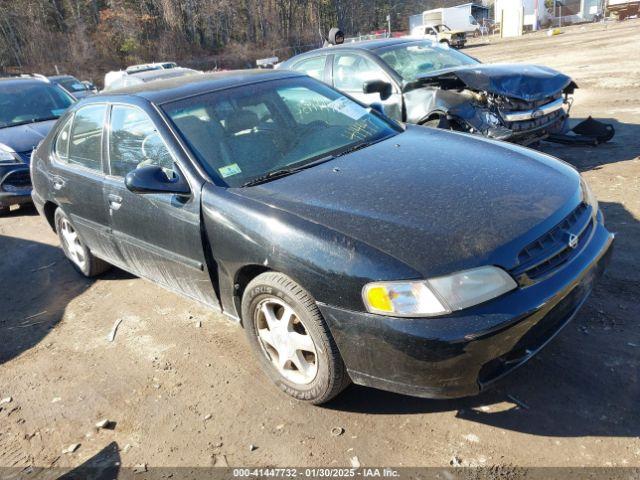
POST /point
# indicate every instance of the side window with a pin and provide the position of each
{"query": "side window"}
(314, 67)
(85, 145)
(134, 142)
(351, 71)
(62, 141)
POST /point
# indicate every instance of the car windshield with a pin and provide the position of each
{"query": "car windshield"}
(29, 102)
(416, 59)
(245, 134)
(73, 84)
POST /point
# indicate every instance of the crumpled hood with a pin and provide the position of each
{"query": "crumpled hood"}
(25, 138)
(525, 82)
(437, 201)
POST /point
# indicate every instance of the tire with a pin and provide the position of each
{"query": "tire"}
(78, 254)
(324, 374)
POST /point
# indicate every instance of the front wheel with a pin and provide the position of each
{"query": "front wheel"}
(75, 250)
(291, 340)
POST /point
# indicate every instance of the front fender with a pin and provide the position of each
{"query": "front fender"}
(331, 266)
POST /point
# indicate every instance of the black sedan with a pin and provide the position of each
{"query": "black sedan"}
(425, 83)
(350, 249)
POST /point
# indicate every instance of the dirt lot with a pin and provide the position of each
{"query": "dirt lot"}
(185, 395)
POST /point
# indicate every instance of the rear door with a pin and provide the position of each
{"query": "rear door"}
(77, 177)
(158, 235)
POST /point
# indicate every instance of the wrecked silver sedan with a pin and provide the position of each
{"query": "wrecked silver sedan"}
(428, 84)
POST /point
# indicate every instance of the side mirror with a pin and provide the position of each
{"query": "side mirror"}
(153, 179)
(378, 86)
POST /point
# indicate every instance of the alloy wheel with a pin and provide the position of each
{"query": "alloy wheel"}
(72, 244)
(286, 341)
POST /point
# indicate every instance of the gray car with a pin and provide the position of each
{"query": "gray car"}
(421, 82)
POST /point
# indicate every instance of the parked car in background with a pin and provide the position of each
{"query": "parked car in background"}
(440, 34)
(29, 106)
(137, 78)
(74, 86)
(421, 82)
(350, 248)
(132, 69)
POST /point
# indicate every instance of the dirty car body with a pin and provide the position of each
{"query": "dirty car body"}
(388, 205)
(425, 83)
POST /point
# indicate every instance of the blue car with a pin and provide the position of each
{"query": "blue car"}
(29, 107)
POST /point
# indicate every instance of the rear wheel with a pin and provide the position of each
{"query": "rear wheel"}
(291, 340)
(79, 254)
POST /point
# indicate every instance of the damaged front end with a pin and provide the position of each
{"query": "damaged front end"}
(517, 103)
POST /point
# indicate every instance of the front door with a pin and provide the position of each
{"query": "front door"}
(158, 235)
(351, 70)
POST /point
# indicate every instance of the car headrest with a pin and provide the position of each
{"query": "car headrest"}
(242, 120)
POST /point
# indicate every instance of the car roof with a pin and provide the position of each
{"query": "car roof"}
(27, 80)
(151, 75)
(61, 77)
(161, 91)
(370, 45)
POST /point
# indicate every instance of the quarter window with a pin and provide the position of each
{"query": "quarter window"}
(314, 67)
(134, 142)
(85, 146)
(62, 141)
(351, 71)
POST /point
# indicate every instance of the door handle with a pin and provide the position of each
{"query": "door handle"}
(115, 201)
(58, 183)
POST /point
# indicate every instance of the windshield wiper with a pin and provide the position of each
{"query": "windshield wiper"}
(283, 172)
(26, 122)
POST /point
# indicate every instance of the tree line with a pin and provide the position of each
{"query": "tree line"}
(86, 38)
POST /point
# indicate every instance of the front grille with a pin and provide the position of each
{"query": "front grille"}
(526, 125)
(514, 104)
(16, 181)
(543, 256)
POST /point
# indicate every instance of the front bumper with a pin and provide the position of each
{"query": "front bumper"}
(463, 353)
(15, 185)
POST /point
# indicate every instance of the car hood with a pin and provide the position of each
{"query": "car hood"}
(435, 200)
(524, 82)
(24, 138)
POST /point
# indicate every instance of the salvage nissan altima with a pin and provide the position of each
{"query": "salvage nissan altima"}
(350, 248)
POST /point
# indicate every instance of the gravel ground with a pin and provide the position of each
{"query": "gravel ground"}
(183, 390)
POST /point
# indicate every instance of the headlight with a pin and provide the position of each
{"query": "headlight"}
(587, 195)
(437, 296)
(8, 156)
